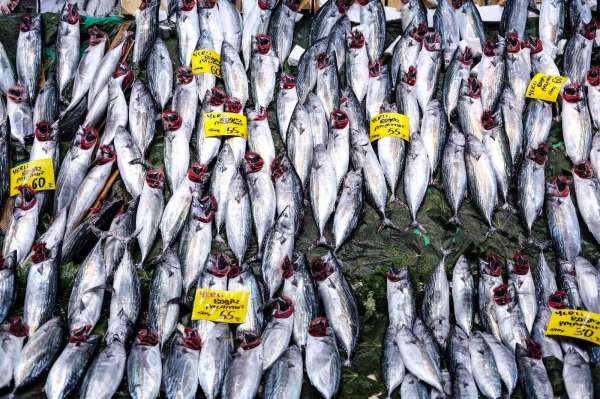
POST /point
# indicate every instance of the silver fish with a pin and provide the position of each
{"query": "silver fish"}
(234, 73)
(260, 139)
(7, 74)
(208, 147)
(578, 52)
(436, 304)
(577, 376)
(470, 25)
(150, 209)
(497, 148)
(185, 99)
(551, 24)
(244, 373)
(46, 103)
(238, 144)
(463, 289)
(454, 172)
(406, 51)
(417, 359)
(391, 362)
(511, 322)
(417, 174)
(256, 21)
(429, 65)
(413, 13)
(214, 276)
(522, 280)
(19, 113)
(127, 153)
(378, 88)
(287, 98)
(289, 193)
(470, 108)
(68, 369)
(400, 299)
(319, 121)
(242, 278)
(505, 361)
(537, 123)
(23, 224)
(545, 281)
(206, 81)
(142, 116)
(490, 271)
(144, 366)
(264, 66)
(180, 374)
(518, 66)
(188, 31)
(281, 28)
(67, 46)
(117, 114)
(146, 30)
(306, 79)
(238, 217)
(406, 98)
(336, 42)
(485, 371)
(224, 173)
(327, 85)
(278, 332)
(125, 299)
(532, 373)
(323, 363)
(12, 336)
(300, 143)
(463, 384)
(542, 61)
(490, 67)
(349, 207)
(391, 152)
(458, 71)
(4, 156)
(284, 378)
(372, 19)
(514, 17)
(39, 352)
(568, 284)
(277, 246)
(445, 21)
(433, 132)
(480, 176)
(215, 359)
(160, 74)
(176, 149)
(413, 388)
(7, 284)
(231, 24)
(262, 195)
(165, 291)
(105, 373)
(323, 188)
(357, 64)
(531, 185)
(211, 26)
(29, 53)
(588, 282)
(325, 18)
(562, 219)
(576, 123)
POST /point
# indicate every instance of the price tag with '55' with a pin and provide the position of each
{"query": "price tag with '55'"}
(220, 306)
(225, 124)
(389, 124)
(39, 175)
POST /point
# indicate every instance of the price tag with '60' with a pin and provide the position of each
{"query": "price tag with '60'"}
(39, 175)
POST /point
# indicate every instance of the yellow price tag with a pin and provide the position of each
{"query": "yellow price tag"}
(545, 87)
(575, 324)
(220, 306)
(225, 124)
(39, 175)
(206, 61)
(389, 124)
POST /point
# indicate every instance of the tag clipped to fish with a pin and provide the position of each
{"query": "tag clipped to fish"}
(206, 61)
(225, 124)
(545, 87)
(575, 324)
(220, 306)
(39, 175)
(389, 124)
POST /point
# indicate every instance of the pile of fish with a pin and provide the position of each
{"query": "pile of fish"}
(471, 127)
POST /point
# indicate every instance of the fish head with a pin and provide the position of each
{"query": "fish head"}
(376, 68)
(25, 200)
(17, 327)
(39, 252)
(204, 208)
(191, 339)
(249, 340)
(584, 169)
(513, 42)
(80, 335)
(419, 32)
(147, 337)
(262, 43)
(572, 93)
(432, 40)
(106, 154)
(558, 186)
(318, 327)
(319, 269)
(187, 5)
(97, 36)
(410, 77)
(540, 154)
(491, 49)
(70, 14)
(264, 5)
(155, 178)
(534, 349)
(501, 294)
(253, 162)
(220, 265)
(534, 44)
(184, 75)
(339, 119)
(171, 120)
(233, 105)
(257, 115)
(216, 97)
(473, 87)
(322, 60)
(558, 299)
(280, 167)
(123, 74)
(357, 39)
(593, 76)
(86, 138)
(287, 81)
(521, 263)
(284, 307)
(43, 131)
(198, 173)
(17, 94)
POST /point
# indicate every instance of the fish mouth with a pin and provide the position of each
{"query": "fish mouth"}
(43, 131)
(593, 76)
(278, 168)
(466, 58)
(40, 252)
(357, 39)
(521, 265)
(490, 48)
(184, 75)
(474, 87)
(432, 41)
(26, 23)
(221, 265)
(396, 275)
(233, 105)
(584, 169)
(534, 350)
(217, 97)
(198, 172)
(558, 299)
(249, 340)
(171, 120)
(106, 154)
(496, 265)
(188, 5)
(318, 327)
(501, 294)
(208, 207)
(410, 77)
(319, 269)
(72, 14)
(560, 186)
(322, 61)
(261, 115)
(284, 308)
(124, 70)
(147, 337)
(155, 178)
(540, 155)
(534, 44)
(456, 4)
(17, 94)
(376, 69)
(26, 198)
(339, 119)
(513, 43)
(263, 43)
(17, 327)
(263, 4)
(191, 339)
(97, 35)
(87, 138)
(80, 335)
(287, 268)
(254, 162)
(488, 122)
(572, 93)
(287, 81)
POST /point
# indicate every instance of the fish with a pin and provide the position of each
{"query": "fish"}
(281, 28)
(338, 301)
(159, 72)
(562, 218)
(223, 175)
(436, 304)
(206, 41)
(459, 69)
(150, 210)
(20, 115)
(209, 20)
(176, 149)
(127, 153)
(470, 25)
(67, 371)
(319, 121)
(287, 98)
(261, 190)
(542, 61)
(117, 112)
(46, 102)
(551, 25)
(336, 44)
(567, 281)
(243, 278)
(29, 53)
(521, 277)
(234, 73)
(42, 286)
(327, 84)
(413, 388)
(406, 99)
(485, 370)
(300, 148)
(417, 359)
(588, 282)
(490, 271)
(514, 17)
(406, 51)
(238, 217)
(445, 21)
(180, 374)
(391, 153)
(214, 276)
(144, 366)
(215, 359)
(90, 187)
(434, 132)
(470, 108)
(577, 376)
(260, 139)
(244, 373)
(264, 66)
(531, 186)
(323, 363)
(497, 148)
(208, 147)
(357, 64)
(188, 31)
(20, 235)
(378, 88)
(196, 239)
(12, 336)
(511, 322)
(39, 352)
(505, 361)
(288, 192)
(277, 334)
(142, 116)
(481, 179)
(7, 284)
(417, 174)
(185, 99)
(277, 248)
(429, 64)
(463, 290)
(67, 46)
(454, 172)
(349, 208)
(231, 25)
(306, 78)
(391, 363)
(7, 74)
(595, 154)
(323, 188)
(105, 373)
(256, 21)
(518, 66)
(576, 123)
(325, 18)
(545, 281)
(491, 66)
(165, 292)
(578, 52)
(300, 288)
(533, 374)
(146, 30)
(400, 299)
(372, 19)
(4, 157)
(537, 123)
(125, 300)
(284, 378)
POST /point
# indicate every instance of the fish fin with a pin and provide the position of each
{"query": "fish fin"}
(385, 222)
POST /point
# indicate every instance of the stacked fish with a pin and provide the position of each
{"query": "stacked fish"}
(464, 95)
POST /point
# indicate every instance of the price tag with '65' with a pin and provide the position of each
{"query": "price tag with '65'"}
(39, 175)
